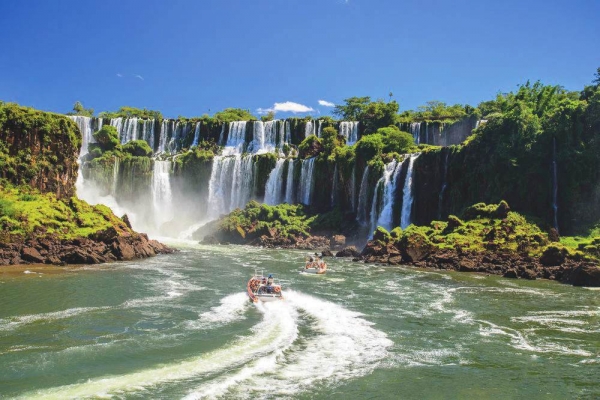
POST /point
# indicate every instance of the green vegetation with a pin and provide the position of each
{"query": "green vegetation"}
(38, 148)
(78, 109)
(137, 148)
(486, 227)
(386, 140)
(233, 114)
(437, 111)
(107, 138)
(284, 220)
(26, 213)
(371, 114)
(131, 112)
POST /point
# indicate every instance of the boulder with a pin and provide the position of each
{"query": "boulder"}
(123, 250)
(585, 275)
(415, 247)
(337, 242)
(326, 253)
(30, 254)
(349, 251)
(553, 255)
(511, 273)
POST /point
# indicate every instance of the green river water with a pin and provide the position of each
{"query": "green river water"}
(181, 326)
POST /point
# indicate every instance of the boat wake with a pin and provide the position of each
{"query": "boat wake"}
(299, 344)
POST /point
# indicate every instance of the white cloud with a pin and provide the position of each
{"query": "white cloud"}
(119, 75)
(139, 77)
(326, 103)
(287, 106)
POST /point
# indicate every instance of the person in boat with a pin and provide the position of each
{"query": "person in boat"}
(269, 287)
(309, 263)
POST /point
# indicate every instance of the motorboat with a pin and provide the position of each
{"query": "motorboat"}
(314, 265)
(264, 288)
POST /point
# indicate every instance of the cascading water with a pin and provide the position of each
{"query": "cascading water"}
(353, 188)
(309, 129)
(236, 139)
(115, 180)
(230, 184)
(306, 180)
(265, 137)
(289, 187)
(85, 125)
(162, 140)
(415, 130)
(362, 198)
(444, 185)
(320, 129)
(161, 192)
(349, 130)
(148, 132)
(407, 196)
(334, 188)
(273, 192)
(222, 135)
(554, 184)
(389, 180)
(196, 134)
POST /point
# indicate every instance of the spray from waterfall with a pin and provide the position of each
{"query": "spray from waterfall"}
(162, 198)
(361, 216)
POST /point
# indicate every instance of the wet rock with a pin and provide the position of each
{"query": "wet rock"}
(30, 254)
(125, 219)
(326, 253)
(585, 275)
(337, 242)
(349, 251)
(511, 273)
(553, 255)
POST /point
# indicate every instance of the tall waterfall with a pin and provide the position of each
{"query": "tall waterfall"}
(415, 130)
(289, 187)
(230, 185)
(320, 129)
(349, 130)
(407, 195)
(161, 192)
(196, 134)
(554, 184)
(334, 185)
(265, 137)
(389, 180)
(273, 189)
(362, 198)
(353, 188)
(236, 138)
(444, 185)
(222, 135)
(306, 180)
(115, 180)
(85, 125)
(309, 129)
(148, 132)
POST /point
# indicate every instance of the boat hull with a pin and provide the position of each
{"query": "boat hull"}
(313, 271)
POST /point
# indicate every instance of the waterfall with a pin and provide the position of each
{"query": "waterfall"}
(361, 216)
(309, 129)
(334, 188)
(320, 128)
(444, 184)
(162, 140)
(265, 137)
(289, 187)
(273, 187)
(85, 125)
(236, 138)
(353, 188)
(115, 181)
(230, 185)
(389, 180)
(222, 135)
(196, 134)
(554, 184)
(148, 132)
(407, 196)
(415, 130)
(349, 130)
(306, 180)
(161, 192)
(282, 135)
(288, 132)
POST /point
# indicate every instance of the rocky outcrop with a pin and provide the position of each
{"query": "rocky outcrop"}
(350, 251)
(104, 246)
(509, 265)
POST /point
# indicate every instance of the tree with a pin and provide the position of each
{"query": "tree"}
(396, 141)
(372, 114)
(353, 108)
(270, 116)
(369, 146)
(78, 109)
(138, 148)
(330, 139)
(234, 114)
(107, 138)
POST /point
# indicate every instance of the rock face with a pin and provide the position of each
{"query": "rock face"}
(105, 246)
(41, 149)
(349, 251)
(509, 265)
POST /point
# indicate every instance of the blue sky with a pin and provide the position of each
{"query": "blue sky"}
(194, 57)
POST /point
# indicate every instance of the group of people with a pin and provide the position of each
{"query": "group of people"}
(314, 262)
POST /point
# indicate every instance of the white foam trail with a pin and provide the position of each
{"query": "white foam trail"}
(11, 323)
(275, 332)
(231, 309)
(342, 346)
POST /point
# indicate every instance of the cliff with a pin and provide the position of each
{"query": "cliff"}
(41, 219)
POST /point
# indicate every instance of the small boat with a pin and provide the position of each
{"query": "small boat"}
(314, 265)
(263, 288)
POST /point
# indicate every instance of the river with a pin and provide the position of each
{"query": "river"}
(180, 326)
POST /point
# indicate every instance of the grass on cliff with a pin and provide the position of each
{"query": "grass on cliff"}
(487, 228)
(25, 212)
